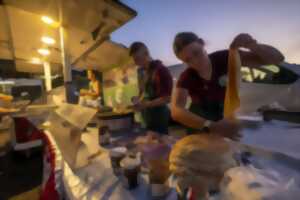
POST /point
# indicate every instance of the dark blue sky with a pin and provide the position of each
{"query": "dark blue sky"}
(275, 22)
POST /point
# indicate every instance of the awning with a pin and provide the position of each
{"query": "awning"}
(87, 23)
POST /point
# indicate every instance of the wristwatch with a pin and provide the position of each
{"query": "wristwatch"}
(207, 123)
(206, 126)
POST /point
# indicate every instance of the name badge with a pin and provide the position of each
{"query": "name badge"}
(223, 80)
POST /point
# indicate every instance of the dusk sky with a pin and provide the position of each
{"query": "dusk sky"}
(275, 22)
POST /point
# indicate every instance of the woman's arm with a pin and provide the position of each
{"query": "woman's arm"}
(160, 101)
(143, 104)
(224, 127)
(258, 54)
(180, 113)
(261, 54)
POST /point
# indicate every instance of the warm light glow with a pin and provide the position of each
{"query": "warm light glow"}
(7, 82)
(47, 20)
(48, 40)
(44, 52)
(36, 61)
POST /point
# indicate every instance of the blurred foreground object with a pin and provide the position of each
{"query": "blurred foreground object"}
(199, 162)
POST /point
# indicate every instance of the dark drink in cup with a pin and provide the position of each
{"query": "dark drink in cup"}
(116, 155)
(131, 178)
(104, 135)
(130, 168)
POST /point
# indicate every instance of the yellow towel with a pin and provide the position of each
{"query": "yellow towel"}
(33, 194)
(232, 100)
(5, 97)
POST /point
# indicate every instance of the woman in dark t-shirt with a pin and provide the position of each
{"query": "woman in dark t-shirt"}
(204, 81)
(155, 89)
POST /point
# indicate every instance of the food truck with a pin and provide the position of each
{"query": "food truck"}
(102, 152)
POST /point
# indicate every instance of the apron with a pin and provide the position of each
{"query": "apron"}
(208, 109)
(92, 89)
(156, 118)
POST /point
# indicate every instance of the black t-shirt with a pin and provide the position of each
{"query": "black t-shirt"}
(202, 90)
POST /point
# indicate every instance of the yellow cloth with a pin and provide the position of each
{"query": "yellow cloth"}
(5, 97)
(232, 100)
(33, 194)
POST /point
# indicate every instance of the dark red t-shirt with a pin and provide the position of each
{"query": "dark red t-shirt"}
(201, 90)
(162, 79)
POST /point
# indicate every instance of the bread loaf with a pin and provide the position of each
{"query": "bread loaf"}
(201, 160)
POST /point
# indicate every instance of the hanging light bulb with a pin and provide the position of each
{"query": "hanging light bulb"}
(48, 40)
(44, 52)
